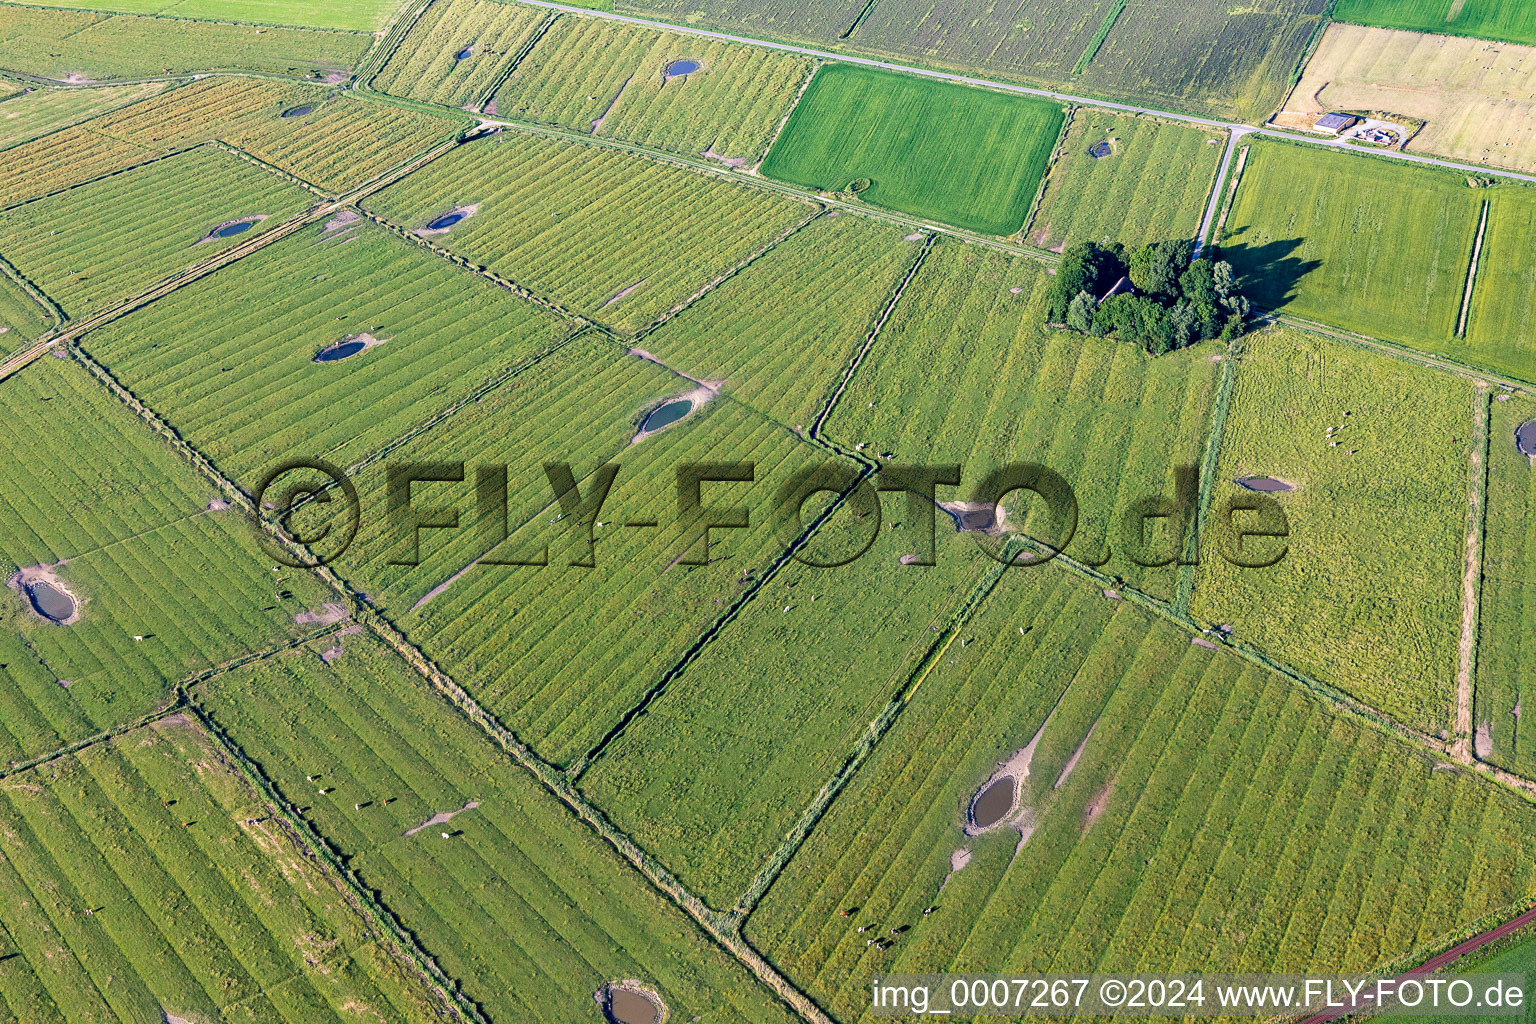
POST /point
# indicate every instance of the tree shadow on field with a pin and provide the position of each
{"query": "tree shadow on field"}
(1267, 272)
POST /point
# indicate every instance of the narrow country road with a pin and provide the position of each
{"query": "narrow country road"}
(1219, 191)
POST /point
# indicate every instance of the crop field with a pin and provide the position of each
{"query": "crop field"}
(336, 143)
(354, 15)
(807, 21)
(25, 116)
(118, 911)
(585, 644)
(1363, 244)
(1111, 420)
(88, 46)
(1368, 595)
(1151, 186)
(110, 240)
(295, 299)
(612, 80)
(727, 760)
(120, 522)
(1475, 98)
(779, 334)
(1507, 615)
(527, 908)
(1233, 61)
(1502, 315)
(455, 53)
(646, 248)
(1511, 20)
(1180, 811)
(61, 160)
(980, 173)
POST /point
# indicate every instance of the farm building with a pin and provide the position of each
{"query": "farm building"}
(1336, 123)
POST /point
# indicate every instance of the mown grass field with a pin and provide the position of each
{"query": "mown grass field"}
(523, 904)
(1476, 101)
(101, 243)
(1153, 185)
(1519, 958)
(87, 46)
(1511, 20)
(1183, 811)
(779, 334)
(63, 159)
(428, 66)
(354, 15)
(25, 116)
(1502, 315)
(1507, 604)
(583, 645)
(238, 378)
(1368, 595)
(724, 763)
(1114, 422)
(980, 173)
(611, 80)
(22, 318)
(813, 21)
(146, 877)
(94, 494)
(650, 246)
(1364, 244)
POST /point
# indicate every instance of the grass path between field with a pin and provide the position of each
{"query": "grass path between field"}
(1463, 746)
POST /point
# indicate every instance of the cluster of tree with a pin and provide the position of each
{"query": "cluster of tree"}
(1176, 301)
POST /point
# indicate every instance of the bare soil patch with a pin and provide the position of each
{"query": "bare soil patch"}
(330, 614)
(442, 818)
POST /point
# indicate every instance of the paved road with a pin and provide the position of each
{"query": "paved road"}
(1025, 90)
(1220, 189)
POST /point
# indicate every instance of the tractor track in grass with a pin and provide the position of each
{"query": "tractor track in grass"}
(1463, 747)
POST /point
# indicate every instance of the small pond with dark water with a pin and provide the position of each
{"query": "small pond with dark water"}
(994, 803)
(667, 415)
(1100, 150)
(464, 53)
(1265, 484)
(299, 111)
(230, 230)
(678, 68)
(1525, 437)
(628, 1006)
(446, 221)
(340, 350)
(973, 519)
(50, 602)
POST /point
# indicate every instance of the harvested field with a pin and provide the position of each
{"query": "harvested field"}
(41, 111)
(779, 334)
(238, 378)
(1377, 514)
(1150, 182)
(818, 21)
(98, 502)
(151, 859)
(481, 901)
(1244, 827)
(612, 80)
(535, 209)
(1477, 99)
(90, 46)
(1364, 244)
(1512, 20)
(981, 173)
(107, 241)
(427, 65)
(1113, 421)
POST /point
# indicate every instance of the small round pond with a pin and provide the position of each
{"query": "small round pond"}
(994, 803)
(678, 68)
(299, 111)
(446, 221)
(973, 518)
(464, 53)
(340, 350)
(1525, 438)
(1265, 484)
(667, 415)
(1100, 150)
(50, 602)
(231, 230)
(631, 1006)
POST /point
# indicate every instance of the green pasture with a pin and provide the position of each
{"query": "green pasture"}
(428, 67)
(28, 115)
(1512, 20)
(951, 153)
(351, 15)
(22, 317)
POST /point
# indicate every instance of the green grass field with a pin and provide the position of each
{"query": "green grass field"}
(610, 80)
(93, 495)
(1512, 20)
(779, 334)
(1364, 244)
(26, 116)
(110, 240)
(146, 877)
(352, 15)
(645, 250)
(1114, 422)
(22, 318)
(1507, 610)
(1182, 811)
(1368, 595)
(1518, 958)
(524, 905)
(238, 378)
(980, 173)
(1502, 316)
(1153, 186)
(89, 46)
(428, 66)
